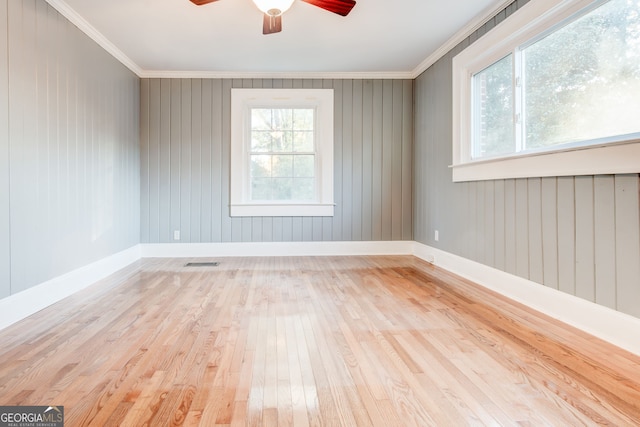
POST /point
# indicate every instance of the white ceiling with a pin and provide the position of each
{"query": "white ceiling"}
(175, 37)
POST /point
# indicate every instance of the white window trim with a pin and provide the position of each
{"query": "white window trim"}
(242, 100)
(620, 155)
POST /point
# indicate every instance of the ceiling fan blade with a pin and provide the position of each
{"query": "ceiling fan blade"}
(202, 2)
(341, 7)
(271, 24)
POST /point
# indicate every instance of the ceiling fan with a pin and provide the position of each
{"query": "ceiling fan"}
(273, 10)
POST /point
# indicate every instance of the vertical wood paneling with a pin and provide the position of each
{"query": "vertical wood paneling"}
(585, 261)
(153, 220)
(536, 265)
(5, 222)
(376, 161)
(566, 235)
(219, 211)
(488, 227)
(195, 192)
(627, 194)
(605, 240)
(499, 237)
(70, 162)
(396, 161)
(165, 171)
(356, 165)
(549, 232)
(510, 225)
(477, 218)
(367, 160)
(406, 202)
(174, 160)
(145, 173)
(206, 170)
(189, 134)
(387, 153)
(186, 167)
(522, 228)
(347, 159)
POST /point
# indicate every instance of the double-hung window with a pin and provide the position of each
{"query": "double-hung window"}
(282, 152)
(552, 90)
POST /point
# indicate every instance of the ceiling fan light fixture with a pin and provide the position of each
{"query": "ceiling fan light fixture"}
(273, 7)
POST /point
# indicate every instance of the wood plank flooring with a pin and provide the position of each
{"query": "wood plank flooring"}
(333, 341)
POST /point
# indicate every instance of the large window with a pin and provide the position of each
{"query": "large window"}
(282, 152)
(554, 78)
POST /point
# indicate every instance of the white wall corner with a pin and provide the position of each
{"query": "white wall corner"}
(617, 328)
(23, 304)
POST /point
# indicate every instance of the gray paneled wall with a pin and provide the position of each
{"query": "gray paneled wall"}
(580, 235)
(185, 142)
(5, 232)
(69, 148)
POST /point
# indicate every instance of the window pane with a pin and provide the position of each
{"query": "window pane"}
(260, 166)
(282, 166)
(304, 166)
(282, 119)
(261, 141)
(582, 82)
(282, 189)
(279, 174)
(303, 189)
(260, 119)
(282, 141)
(303, 118)
(303, 141)
(261, 189)
(493, 110)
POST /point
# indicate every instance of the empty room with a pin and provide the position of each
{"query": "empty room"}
(319, 213)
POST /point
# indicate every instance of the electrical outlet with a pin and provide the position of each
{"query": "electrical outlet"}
(176, 235)
(436, 236)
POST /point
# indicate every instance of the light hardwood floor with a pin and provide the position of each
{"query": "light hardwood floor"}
(385, 341)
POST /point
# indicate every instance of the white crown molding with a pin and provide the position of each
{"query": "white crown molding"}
(356, 75)
(65, 10)
(460, 36)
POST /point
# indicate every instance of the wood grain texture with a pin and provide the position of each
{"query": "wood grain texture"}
(349, 341)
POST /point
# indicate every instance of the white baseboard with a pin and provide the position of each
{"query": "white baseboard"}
(615, 327)
(22, 304)
(610, 325)
(252, 249)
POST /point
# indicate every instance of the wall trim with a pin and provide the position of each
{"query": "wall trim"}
(23, 304)
(610, 325)
(617, 328)
(264, 249)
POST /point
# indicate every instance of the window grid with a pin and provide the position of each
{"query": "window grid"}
(282, 155)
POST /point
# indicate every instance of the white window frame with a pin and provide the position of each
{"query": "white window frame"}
(605, 156)
(242, 101)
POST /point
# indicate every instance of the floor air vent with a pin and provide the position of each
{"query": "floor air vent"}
(202, 264)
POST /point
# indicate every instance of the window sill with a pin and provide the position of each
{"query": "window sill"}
(609, 159)
(284, 210)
